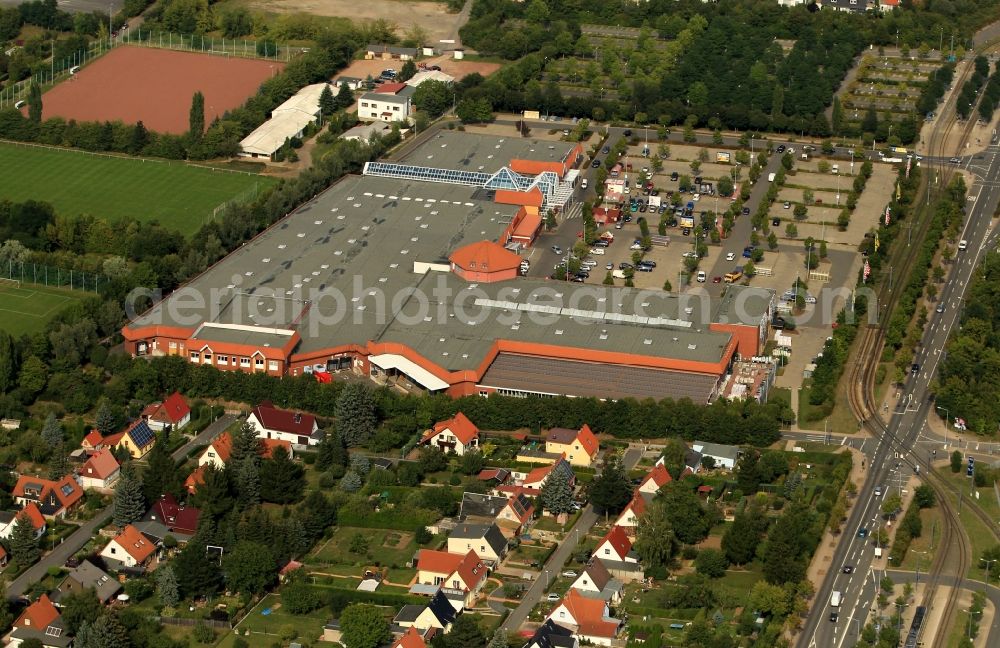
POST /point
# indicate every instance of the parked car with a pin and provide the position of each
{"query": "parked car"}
(716, 279)
(570, 573)
(702, 277)
(788, 205)
(781, 148)
(595, 163)
(775, 222)
(553, 597)
(731, 256)
(557, 249)
(674, 176)
(746, 211)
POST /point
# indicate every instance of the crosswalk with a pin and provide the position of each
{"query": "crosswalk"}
(573, 210)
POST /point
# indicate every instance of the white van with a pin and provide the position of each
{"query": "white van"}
(836, 169)
(702, 276)
(770, 177)
(835, 599)
(583, 183)
(20, 103)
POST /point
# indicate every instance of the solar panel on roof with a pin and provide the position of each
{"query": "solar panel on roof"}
(141, 435)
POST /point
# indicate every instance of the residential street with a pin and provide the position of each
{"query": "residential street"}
(588, 518)
(79, 538)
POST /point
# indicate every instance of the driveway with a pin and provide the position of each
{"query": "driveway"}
(58, 556)
(588, 518)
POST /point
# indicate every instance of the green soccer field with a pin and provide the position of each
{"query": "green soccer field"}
(178, 195)
(28, 308)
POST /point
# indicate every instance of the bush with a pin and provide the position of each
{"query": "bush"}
(203, 634)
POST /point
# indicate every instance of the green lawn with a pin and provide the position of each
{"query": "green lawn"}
(28, 308)
(385, 547)
(178, 195)
(265, 628)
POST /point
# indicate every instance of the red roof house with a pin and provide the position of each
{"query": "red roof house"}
(655, 479)
(588, 618)
(173, 412)
(410, 639)
(579, 446)
(178, 518)
(39, 616)
(100, 471)
(54, 498)
(131, 549)
(458, 434)
(295, 427)
(616, 546)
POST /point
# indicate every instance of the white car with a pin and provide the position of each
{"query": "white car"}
(597, 251)
(569, 573)
(635, 246)
(789, 150)
(962, 245)
(731, 256)
(702, 276)
(696, 197)
(690, 255)
(553, 597)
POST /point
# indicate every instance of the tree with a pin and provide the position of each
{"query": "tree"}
(281, 479)
(791, 231)
(351, 482)
(956, 461)
(870, 122)
(212, 497)
(654, 539)
(409, 69)
(742, 537)
(196, 117)
(197, 574)
(891, 504)
(166, 585)
(250, 568)
(364, 626)
(79, 608)
(474, 111)
(355, 412)
(433, 97)
(711, 563)
(611, 490)
(557, 495)
(129, 502)
(331, 452)
(298, 598)
(800, 211)
(725, 186)
(163, 475)
(106, 421)
(248, 484)
(327, 104)
(472, 462)
(822, 250)
(691, 520)
(24, 547)
(139, 139)
(35, 103)
(924, 496)
(499, 639)
(106, 632)
(344, 98)
(465, 633)
(52, 432)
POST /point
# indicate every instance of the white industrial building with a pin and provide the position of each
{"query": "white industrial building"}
(288, 120)
(429, 75)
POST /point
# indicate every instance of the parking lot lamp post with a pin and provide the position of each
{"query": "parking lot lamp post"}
(987, 580)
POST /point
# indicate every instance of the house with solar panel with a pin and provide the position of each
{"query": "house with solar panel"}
(138, 439)
(55, 499)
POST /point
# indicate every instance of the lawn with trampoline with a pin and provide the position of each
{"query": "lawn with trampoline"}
(25, 308)
(179, 196)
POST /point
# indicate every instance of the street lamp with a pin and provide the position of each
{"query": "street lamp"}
(947, 422)
(988, 563)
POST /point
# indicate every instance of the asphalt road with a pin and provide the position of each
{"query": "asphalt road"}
(80, 537)
(588, 518)
(908, 420)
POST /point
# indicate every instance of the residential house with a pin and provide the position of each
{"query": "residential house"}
(458, 434)
(655, 479)
(176, 519)
(100, 471)
(724, 456)
(629, 517)
(512, 513)
(365, 132)
(171, 414)
(30, 512)
(851, 6)
(295, 427)
(597, 582)
(389, 102)
(589, 618)
(87, 575)
(616, 546)
(580, 447)
(886, 6)
(550, 635)
(194, 480)
(138, 439)
(55, 499)
(93, 441)
(352, 83)
(466, 574)
(42, 621)
(486, 540)
(439, 613)
(130, 549)
(218, 452)
(410, 639)
(390, 52)
(495, 476)
(535, 480)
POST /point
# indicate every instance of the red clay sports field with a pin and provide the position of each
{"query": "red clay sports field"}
(155, 86)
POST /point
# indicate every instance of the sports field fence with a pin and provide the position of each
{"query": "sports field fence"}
(242, 198)
(14, 274)
(60, 69)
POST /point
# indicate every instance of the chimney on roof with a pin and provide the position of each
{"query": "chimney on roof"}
(298, 417)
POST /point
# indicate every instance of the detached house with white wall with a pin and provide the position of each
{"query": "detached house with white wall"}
(297, 428)
(389, 102)
(458, 434)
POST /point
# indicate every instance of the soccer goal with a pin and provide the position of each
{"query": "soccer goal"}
(10, 283)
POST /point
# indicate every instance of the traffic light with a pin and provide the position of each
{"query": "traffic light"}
(971, 468)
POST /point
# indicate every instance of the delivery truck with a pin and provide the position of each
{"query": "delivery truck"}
(835, 599)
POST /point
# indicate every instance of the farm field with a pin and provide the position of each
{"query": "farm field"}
(115, 187)
(28, 308)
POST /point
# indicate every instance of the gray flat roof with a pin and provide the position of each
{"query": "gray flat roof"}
(258, 337)
(587, 379)
(743, 305)
(384, 97)
(486, 153)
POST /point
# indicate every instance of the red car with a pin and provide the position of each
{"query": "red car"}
(716, 279)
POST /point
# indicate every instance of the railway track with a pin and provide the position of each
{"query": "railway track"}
(957, 555)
